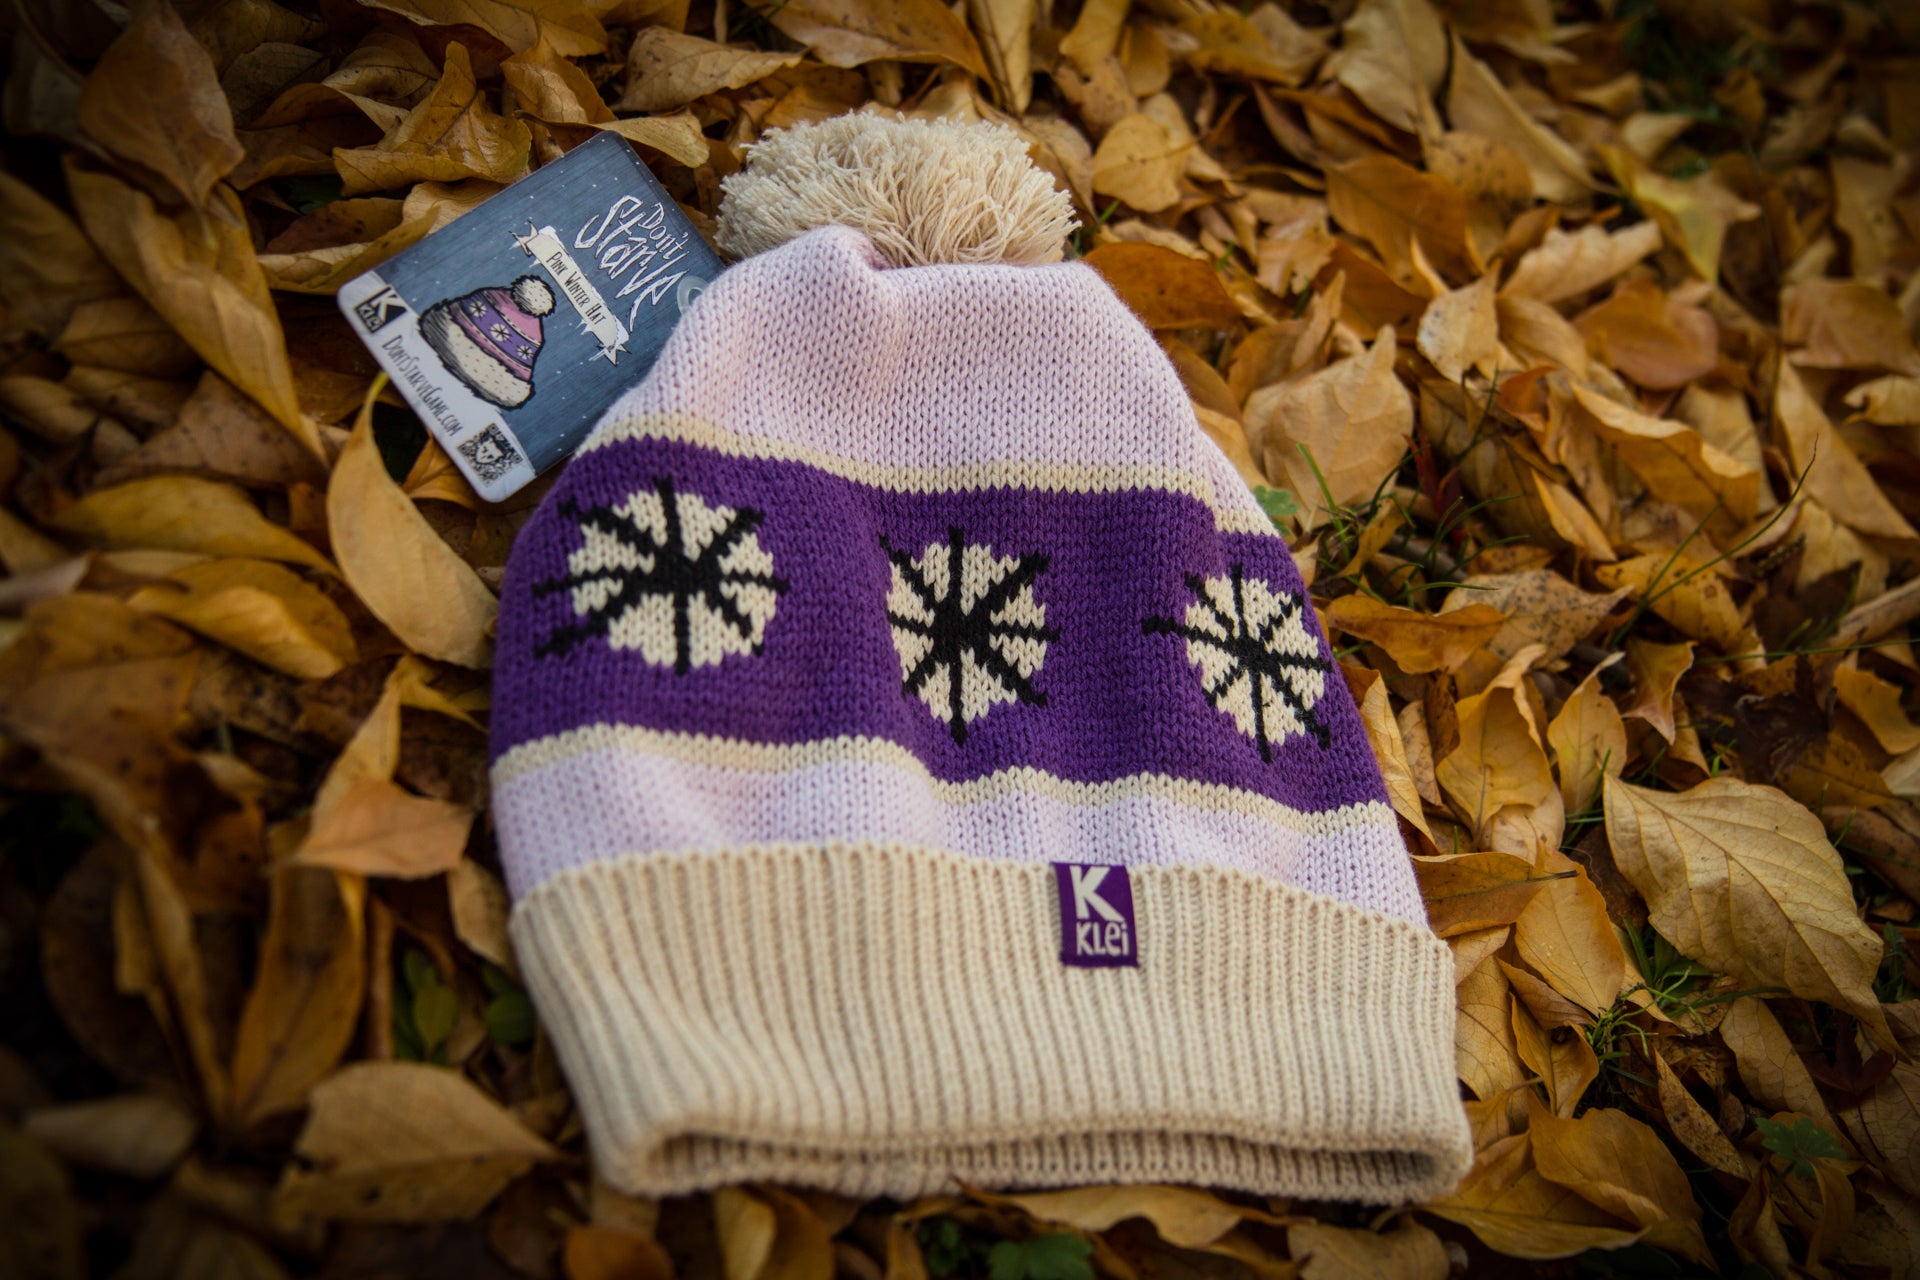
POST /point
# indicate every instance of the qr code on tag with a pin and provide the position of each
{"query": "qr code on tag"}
(491, 454)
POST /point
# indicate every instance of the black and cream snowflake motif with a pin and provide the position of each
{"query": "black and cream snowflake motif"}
(683, 582)
(1257, 661)
(968, 630)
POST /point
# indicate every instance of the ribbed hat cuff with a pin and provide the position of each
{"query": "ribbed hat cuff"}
(876, 1019)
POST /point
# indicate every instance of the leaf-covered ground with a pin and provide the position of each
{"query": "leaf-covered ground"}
(1573, 345)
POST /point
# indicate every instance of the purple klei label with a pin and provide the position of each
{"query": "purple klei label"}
(1096, 916)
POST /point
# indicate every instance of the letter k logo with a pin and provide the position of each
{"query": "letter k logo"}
(1097, 931)
(1086, 893)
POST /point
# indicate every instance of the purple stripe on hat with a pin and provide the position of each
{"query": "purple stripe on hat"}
(489, 317)
(1114, 692)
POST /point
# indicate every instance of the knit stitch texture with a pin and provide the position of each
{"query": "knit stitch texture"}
(888, 588)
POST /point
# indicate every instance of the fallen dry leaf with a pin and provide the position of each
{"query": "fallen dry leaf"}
(1693, 213)
(1478, 103)
(305, 1003)
(199, 271)
(1460, 330)
(1167, 290)
(1589, 742)
(1140, 161)
(848, 33)
(374, 828)
(1393, 57)
(1512, 1208)
(1743, 879)
(451, 135)
(258, 608)
(667, 69)
(182, 513)
(1566, 266)
(191, 145)
(404, 1142)
(518, 24)
(1417, 642)
(1346, 425)
(1846, 324)
(1620, 1165)
(1833, 473)
(1408, 1252)
(397, 564)
(1566, 937)
(1470, 891)
(134, 1135)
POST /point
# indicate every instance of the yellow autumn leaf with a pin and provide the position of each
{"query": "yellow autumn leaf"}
(1879, 706)
(1383, 731)
(1846, 324)
(266, 612)
(1265, 45)
(304, 1007)
(1479, 103)
(1183, 1216)
(1500, 760)
(1694, 213)
(1353, 419)
(404, 1142)
(1542, 608)
(1743, 879)
(1835, 476)
(1402, 213)
(1674, 461)
(1688, 593)
(184, 513)
(850, 33)
(1653, 338)
(1566, 265)
(518, 24)
(1408, 1252)
(668, 69)
(374, 828)
(1140, 161)
(200, 272)
(1484, 1054)
(453, 134)
(1589, 742)
(47, 266)
(398, 566)
(1460, 331)
(1514, 1209)
(1769, 1064)
(1393, 57)
(1893, 400)
(1565, 936)
(1469, 891)
(1618, 1164)
(1417, 642)
(190, 144)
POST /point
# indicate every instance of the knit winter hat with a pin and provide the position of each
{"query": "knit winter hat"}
(916, 759)
(490, 338)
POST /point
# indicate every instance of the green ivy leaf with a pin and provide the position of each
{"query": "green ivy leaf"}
(418, 972)
(509, 1019)
(435, 1010)
(1799, 1143)
(1055, 1257)
(1279, 504)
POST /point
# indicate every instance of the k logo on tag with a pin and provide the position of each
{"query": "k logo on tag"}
(1096, 916)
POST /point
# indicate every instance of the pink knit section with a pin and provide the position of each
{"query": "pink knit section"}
(895, 368)
(598, 803)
